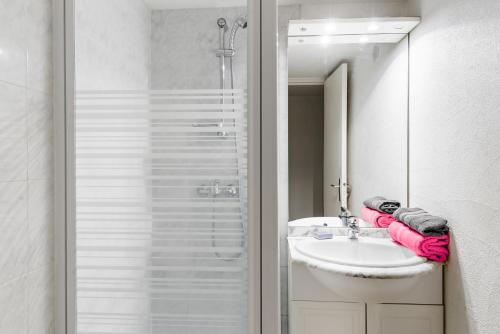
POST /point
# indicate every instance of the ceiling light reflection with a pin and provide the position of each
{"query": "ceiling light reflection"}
(373, 26)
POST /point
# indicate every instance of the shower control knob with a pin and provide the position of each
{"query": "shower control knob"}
(221, 22)
(204, 191)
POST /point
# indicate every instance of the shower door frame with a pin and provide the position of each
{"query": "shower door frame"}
(263, 231)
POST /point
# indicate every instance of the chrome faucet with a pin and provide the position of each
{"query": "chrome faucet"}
(344, 216)
(353, 228)
(350, 222)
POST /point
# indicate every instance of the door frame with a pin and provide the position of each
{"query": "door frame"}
(263, 232)
(343, 177)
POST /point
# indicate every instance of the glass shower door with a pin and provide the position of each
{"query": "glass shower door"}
(160, 168)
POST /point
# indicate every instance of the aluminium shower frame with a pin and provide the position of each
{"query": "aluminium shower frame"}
(263, 231)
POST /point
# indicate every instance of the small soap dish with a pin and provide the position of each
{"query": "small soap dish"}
(320, 234)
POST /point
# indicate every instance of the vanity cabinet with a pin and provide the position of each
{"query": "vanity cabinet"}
(318, 309)
(358, 318)
(327, 318)
(407, 319)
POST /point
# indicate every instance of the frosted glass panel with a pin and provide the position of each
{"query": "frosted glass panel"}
(161, 167)
(161, 207)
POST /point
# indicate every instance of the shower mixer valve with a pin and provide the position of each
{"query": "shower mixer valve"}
(217, 189)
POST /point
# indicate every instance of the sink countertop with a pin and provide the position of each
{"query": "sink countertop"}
(306, 231)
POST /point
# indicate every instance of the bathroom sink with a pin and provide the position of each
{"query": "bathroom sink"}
(364, 252)
(366, 269)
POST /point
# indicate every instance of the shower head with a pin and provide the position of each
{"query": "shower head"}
(241, 22)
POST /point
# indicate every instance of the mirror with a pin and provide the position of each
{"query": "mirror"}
(347, 113)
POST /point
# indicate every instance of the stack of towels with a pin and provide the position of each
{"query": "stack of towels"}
(414, 228)
(378, 211)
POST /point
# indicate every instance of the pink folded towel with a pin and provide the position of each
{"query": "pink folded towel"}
(433, 248)
(377, 218)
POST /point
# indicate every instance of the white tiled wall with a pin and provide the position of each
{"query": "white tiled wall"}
(26, 167)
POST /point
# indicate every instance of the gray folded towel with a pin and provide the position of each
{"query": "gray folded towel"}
(422, 221)
(382, 204)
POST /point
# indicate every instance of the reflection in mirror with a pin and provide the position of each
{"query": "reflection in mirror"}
(348, 113)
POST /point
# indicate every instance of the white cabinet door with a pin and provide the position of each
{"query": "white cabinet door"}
(327, 318)
(407, 319)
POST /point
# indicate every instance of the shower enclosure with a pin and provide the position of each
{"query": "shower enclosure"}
(160, 176)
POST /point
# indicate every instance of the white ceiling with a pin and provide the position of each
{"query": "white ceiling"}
(178, 4)
(353, 26)
(316, 47)
(313, 63)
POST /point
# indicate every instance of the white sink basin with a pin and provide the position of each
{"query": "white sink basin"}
(365, 252)
(367, 269)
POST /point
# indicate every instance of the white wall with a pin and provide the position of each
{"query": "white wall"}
(26, 167)
(377, 122)
(455, 149)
